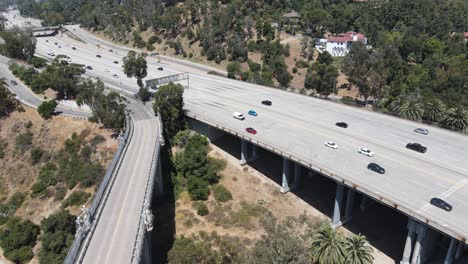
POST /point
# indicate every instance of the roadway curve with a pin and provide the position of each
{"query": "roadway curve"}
(299, 125)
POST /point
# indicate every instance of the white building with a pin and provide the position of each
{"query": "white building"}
(340, 45)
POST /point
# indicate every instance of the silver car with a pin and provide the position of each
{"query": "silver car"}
(423, 131)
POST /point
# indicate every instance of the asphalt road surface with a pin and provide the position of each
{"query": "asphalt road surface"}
(300, 125)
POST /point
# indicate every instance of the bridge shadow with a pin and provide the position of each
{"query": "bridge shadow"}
(163, 207)
(383, 227)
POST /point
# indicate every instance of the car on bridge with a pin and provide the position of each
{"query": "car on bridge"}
(416, 147)
(98, 56)
(14, 82)
(252, 113)
(331, 145)
(238, 116)
(251, 130)
(89, 67)
(267, 102)
(441, 204)
(342, 124)
(376, 167)
(160, 68)
(116, 62)
(73, 48)
(366, 152)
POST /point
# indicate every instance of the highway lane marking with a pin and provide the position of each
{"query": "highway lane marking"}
(461, 184)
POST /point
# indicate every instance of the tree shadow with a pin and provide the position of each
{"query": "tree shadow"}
(163, 208)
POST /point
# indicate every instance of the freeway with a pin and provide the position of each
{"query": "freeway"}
(299, 126)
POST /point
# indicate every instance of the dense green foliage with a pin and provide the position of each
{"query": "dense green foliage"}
(135, 66)
(195, 171)
(7, 103)
(23, 141)
(17, 238)
(47, 108)
(10, 207)
(58, 233)
(169, 103)
(76, 198)
(18, 45)
(202, 209)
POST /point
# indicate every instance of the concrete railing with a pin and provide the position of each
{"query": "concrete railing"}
(146, 218)
(91, 217)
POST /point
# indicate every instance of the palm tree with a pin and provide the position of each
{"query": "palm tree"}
(358, 250)
(434, 111)
(456, 118)
(327, 246)
(411, 109)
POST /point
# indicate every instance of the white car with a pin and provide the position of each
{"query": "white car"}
(331, 145)
(366, 152)
(423, 131)
(238, 115)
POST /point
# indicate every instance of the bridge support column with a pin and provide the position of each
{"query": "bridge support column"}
(349, 206)
(297, 175)
(336, 220)
(255, 154)
(365, 202)
(459, 251)
(285, 178)
(450, 252)
(244, 152)
(409, 242)
(416, 259)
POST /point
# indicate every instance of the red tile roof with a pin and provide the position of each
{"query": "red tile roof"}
(347, 36)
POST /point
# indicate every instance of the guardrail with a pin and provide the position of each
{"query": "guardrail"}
(453, 232)
(80, 243)
(145, 223)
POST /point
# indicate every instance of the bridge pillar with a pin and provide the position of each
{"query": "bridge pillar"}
(459, 251)
(365, 202)
(285, 178)
(297, 175)
(450, 252)
(409, 242)
(336, 220)
(349, 206)
(416, 259)
(244, 152)
(255, 154)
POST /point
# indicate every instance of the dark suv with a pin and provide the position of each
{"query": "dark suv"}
(266, 102)
(342, 124)
(416, 147)
(375, 167)
(441, 204)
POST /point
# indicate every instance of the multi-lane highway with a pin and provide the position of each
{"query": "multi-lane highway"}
(300, 125)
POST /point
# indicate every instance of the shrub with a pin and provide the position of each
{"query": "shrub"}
(38, 62)
(15, 201)
(24, 141)
(60, 193)
(197, 188)
(36, 154)
(48, 174)
(182, 137)
(15, 236)
(202, 209)
(253, 66)
(47, 108)
(221, 194)
(39, 190)
(76, 198)
(348, 100)
(28, 125)
(2, 151)
(294, 70)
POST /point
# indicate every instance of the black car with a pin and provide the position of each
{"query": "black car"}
(441, 204)
(160, 68)
(73, 48)
(55, 43)
(89, 67)
(14, 82)
(266, 102)
(342, 124)
(416, 147)
(116, 62)
(375, 167)
(99, 56)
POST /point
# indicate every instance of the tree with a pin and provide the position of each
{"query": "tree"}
(321, 77)
(7, 103)
(186, 250)
(325, 58)
(135, 66)
(18, 45)
(410, 109)
(327, 246)
(456, 118)
(358, 250)
(18, 238)
(357, 67)
(47, 108)
(434, 110)
(169, 103)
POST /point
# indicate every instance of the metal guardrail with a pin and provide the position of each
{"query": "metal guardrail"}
(91, 216)
(155, 172)
(453, 232)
